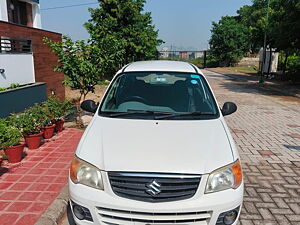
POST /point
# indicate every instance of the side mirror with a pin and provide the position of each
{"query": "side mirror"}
(228, 108)
(89, 106)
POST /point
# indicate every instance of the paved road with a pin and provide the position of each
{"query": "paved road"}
(266, 129)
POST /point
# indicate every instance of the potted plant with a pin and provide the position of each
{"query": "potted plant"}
(47, 121)
(66, 109)
(57, 109)
(10, 141)
(48, 130)
(29, 123)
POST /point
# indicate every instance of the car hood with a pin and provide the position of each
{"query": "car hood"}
(164, 146)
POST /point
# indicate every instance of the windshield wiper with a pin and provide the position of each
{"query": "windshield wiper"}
(184, 114)
(133, 111)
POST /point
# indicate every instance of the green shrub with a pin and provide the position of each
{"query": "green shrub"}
(28, 122)
(41, 115)
(56, 108)
(292, 66)
(293, 62)
(14, 85)
(33, 119)
(9, 135)
(211, 61)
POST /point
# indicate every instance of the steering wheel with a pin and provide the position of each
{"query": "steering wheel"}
(135, 98)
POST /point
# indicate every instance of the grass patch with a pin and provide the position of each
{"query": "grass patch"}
(244, 69)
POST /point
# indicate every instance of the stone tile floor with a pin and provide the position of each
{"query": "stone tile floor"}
(266, 129)
(29, 187)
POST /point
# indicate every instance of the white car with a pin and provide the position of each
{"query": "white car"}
(158, 151)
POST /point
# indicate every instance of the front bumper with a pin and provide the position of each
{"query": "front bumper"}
(109, 209)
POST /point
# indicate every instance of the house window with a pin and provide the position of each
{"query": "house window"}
(19, 12)
(10, 45)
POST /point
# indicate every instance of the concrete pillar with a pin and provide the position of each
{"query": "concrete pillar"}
(36, 14)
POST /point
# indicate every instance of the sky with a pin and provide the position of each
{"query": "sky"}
(182, 24)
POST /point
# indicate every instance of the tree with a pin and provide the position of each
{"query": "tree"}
(254, 17)
(286, 25)
(229, 40)
(123, 33)
(282, 28)
(80, 64)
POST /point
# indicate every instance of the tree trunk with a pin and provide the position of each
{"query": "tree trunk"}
(79, 121)
(270, 61)
(84, 96)
(285, 63)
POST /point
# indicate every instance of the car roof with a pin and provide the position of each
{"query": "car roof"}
(160, 66)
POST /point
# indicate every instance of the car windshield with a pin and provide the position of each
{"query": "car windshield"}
(162, 95)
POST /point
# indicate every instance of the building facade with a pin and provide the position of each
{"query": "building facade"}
(24, 58)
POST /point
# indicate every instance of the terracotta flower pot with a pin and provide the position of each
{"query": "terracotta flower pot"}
(14, 153)
(48, 131)
(33, 141)
(59, 125)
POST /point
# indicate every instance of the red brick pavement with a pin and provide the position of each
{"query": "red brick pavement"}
(29, 187)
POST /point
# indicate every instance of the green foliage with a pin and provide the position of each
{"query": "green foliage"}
(211, 61)
(79, 62)
(33, 119)
(282, 27)
(278, 24)
(14, 85)
(284, 23)
(293, 62)
(9, 135)
(56, 109)
(292, 66)
(121, 33)
(229, 41)
(29, 121)
(198, 61)
(254, 18)
(40, 115)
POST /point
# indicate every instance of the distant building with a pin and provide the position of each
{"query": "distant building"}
(165, 53)
(183, 55)
(199, 54)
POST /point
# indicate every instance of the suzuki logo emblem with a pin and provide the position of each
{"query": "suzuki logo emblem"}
(153, 188)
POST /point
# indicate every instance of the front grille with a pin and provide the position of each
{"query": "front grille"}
(121, 217)
(154, 187)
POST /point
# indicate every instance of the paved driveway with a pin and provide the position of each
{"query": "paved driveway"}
(266, 129)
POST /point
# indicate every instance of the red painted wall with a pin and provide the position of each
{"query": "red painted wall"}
(44, 59)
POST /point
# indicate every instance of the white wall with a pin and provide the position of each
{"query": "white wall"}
(3, 10)
(19, 68)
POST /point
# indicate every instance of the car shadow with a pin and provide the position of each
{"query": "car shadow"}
(70, 215)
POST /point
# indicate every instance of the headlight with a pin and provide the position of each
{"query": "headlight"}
(84, 173)
(225, 178)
